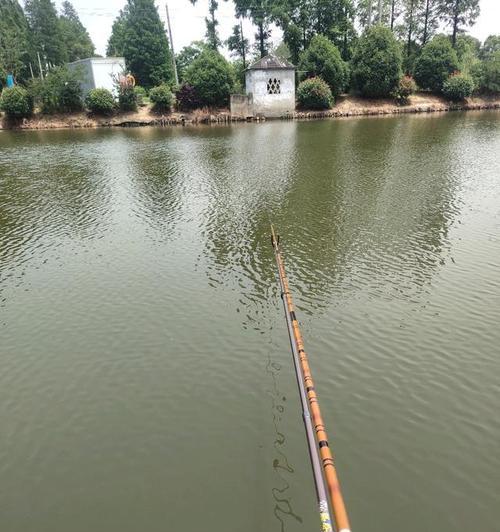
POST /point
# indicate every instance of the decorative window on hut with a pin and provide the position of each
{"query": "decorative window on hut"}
(274, 86)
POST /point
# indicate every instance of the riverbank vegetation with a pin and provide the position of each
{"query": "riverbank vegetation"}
(373, 49)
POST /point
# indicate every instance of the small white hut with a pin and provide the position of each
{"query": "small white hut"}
(270, 89)
(99, 72)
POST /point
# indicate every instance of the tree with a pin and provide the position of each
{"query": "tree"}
(411, 20)
(13, 39)
(238, 45)
(489, 78)
(212, 78)
(322, 59)
(430, 15)
(457, 14)
(490, 46)
(211, 23)
(145, 45)
(435, 64)
(76, 38)
(187, 55)
(467, 48)
(375, 12)
(45, 33)
(116, 42)
(260, 13)
(376, 64)
(300, 20)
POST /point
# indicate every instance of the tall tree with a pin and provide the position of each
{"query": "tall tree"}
(116, 42)
(430, 17)
(145, 47)
(260, 13)
(371, 12)
(458, 14)
(13, 39)
(45, 32)
(301, 20)
(238, 45)
(211, 24)
(76, 38)
(411, 21)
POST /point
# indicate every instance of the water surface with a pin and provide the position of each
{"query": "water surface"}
(146, 381)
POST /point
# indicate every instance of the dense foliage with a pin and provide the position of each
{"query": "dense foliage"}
(212, 78)
(406, 87)
(127, 98)
(45, 35)
(14, 56)
(187, 55)
(116, 42)
(457, 87)
(162, 98)
(436, 62)
(139, 35)
(16, 102)
(140, 95)
(314, 93)
(322, 58)
(186, 98)
(487, 74)
(301, 21)
(75, 37)
(100, 102)
(59, 92)
(376, 64)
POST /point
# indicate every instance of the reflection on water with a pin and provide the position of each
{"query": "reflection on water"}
(146, 378)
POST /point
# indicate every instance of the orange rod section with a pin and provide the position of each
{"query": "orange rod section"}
(329, 469)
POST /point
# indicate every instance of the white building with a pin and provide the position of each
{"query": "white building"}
(99, 72)
(270, 84)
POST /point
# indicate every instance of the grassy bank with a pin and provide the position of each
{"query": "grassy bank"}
(345, 106)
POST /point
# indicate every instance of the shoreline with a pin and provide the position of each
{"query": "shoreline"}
(346, 106)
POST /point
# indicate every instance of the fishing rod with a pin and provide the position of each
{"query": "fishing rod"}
(324, 470)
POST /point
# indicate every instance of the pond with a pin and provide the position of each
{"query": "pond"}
(146, 379)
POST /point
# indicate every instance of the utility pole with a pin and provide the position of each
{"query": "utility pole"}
(242, 45)
(172, 45)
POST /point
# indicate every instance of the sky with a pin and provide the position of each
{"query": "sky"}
(188, 21)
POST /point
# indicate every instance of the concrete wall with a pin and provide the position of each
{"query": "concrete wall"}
(99, 73)
(241, 105)
(271, 105)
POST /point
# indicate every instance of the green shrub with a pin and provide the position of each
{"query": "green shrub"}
(141, 95)
(100, 101)
(322, 58)
(376, 64)
(59, 92)
(486, 74)
(16, 102)
(186, 98)
(457, 87)
(314, 93)
(406, 87)
(127, 98)
(162, 98)
(212, 78)
(435, 64)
